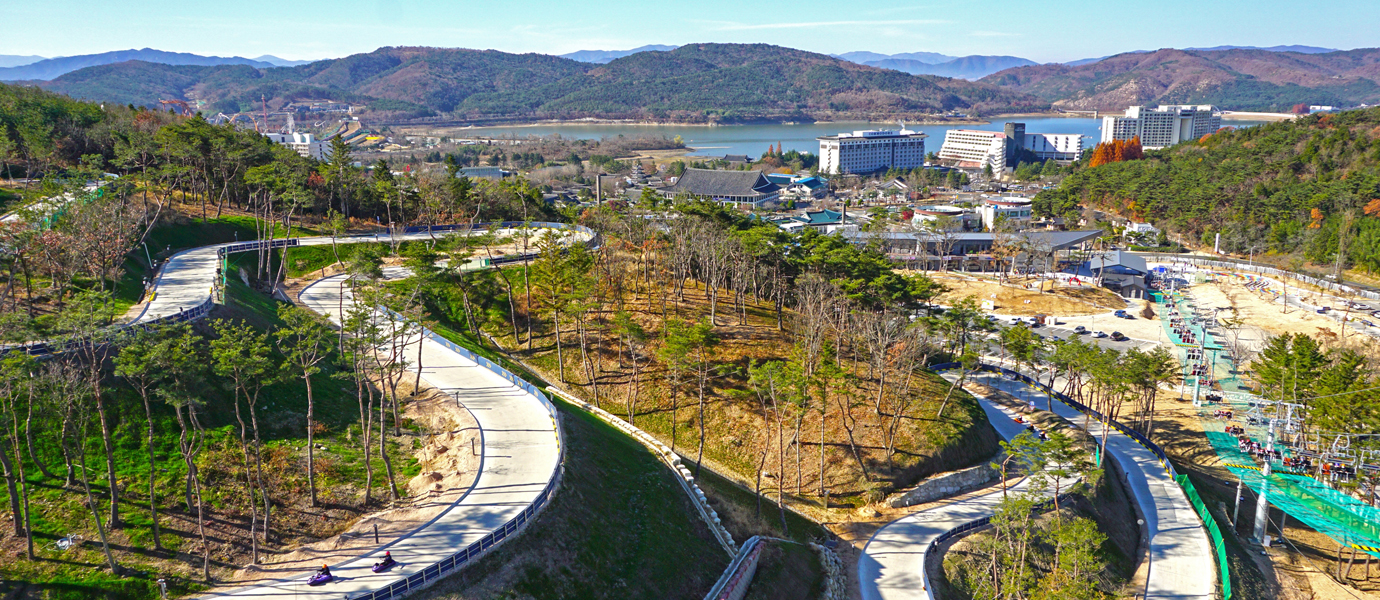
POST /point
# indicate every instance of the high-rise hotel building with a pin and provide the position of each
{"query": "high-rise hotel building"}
(975, 149)
(871, 151)
(1163, 126)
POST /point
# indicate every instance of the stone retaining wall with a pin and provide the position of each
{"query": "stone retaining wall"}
(943, 486)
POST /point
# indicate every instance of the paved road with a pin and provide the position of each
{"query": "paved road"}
(1181, 558)
(521, 449)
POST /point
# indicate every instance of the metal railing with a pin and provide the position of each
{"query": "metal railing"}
(733, 584)
(1076, 405)
(445, 566)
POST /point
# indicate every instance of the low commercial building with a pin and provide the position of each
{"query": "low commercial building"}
(823, 221)
(1118, 271)
(482, 172)
(734, 187)
(974, 250)
(871, 151)
(1010, 212)
(1163, 126)
(944, 217)
(303, 143)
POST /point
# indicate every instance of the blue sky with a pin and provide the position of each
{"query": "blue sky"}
(1041, 31)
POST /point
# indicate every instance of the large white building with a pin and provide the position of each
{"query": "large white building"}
(971, 148)
(1163, 126)
(870, 151)
(1062, 147)
(974, 149)
(303, 143)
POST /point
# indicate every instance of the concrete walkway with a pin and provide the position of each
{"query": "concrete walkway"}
(520, 439)
(1181, 558)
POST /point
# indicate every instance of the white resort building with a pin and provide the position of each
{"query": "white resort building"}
(975, 149)
(871, 151)
(1163, 126)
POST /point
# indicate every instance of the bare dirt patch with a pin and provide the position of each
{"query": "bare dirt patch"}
(1024, 298)
(449, 468)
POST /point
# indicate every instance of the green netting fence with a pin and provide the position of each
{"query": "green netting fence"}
(1214, 533)
(1318, 505)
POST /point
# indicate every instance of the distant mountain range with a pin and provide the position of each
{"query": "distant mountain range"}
(720, 82)
(933, 63)
(1295, 48)
(602, 57)
(48, 69)
(968, 67)
(862, 57)
(12, 60)
(280, 62)
(699, 82)
(1237, 79)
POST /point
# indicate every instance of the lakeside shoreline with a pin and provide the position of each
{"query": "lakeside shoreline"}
(594, 122)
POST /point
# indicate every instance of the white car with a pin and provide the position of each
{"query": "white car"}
(1098, 334)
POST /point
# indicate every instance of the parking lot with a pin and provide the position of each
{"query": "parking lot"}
(1066, 331)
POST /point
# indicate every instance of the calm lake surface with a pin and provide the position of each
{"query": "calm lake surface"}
(753, 140)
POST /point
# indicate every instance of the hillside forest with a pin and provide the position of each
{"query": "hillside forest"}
(191, 451)
(1305, 191)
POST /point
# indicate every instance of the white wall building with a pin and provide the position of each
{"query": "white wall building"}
(303, 143)
(1014, 212)
(973, 149)
(870, 151)
(1063, 147)
(1163, 126)
(948, 218)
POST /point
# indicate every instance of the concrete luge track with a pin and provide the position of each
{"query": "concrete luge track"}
(520, 433)
(1181, 558)
(892, 565)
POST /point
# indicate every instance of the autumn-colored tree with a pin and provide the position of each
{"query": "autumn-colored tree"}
(1098, 158)
(1132, 150)
(1372, 208)
(1317, 217)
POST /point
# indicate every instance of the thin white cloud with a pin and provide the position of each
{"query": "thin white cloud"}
(993, 34)
(731, 26)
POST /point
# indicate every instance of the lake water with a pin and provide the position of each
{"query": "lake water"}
(752, 140)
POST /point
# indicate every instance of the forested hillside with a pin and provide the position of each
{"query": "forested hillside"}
(696, 82)
(1237, 79)
(1291, 188)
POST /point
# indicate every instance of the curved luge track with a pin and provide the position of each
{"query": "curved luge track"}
(521, 453)
(1181, 558)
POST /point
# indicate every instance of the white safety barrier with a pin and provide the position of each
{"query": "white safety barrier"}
(671, 459)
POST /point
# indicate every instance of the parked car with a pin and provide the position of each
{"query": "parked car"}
(1376, 314)
(1118, 337)
(1080, 330)
(1099, 334)
(1120, 313)
(1322, 310)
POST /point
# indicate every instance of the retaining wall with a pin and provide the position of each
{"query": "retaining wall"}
(943, 486)
(671, 459)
